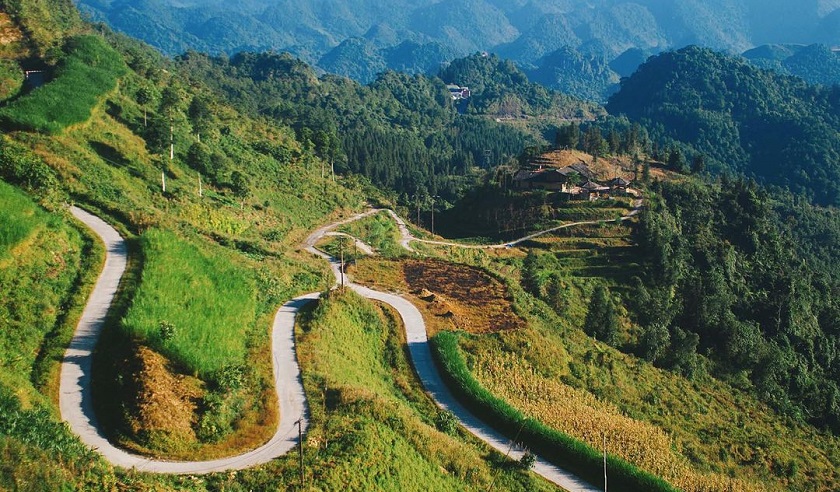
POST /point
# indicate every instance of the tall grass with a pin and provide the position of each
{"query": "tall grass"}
(560, 448)
(372, 426)
(192, 305)
(19, 217)
(35, 281)
(584, 417)
(88, 71)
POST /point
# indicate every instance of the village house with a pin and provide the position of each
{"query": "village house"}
(577, 181)
(457, 92)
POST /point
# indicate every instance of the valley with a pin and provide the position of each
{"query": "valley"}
(242, 273)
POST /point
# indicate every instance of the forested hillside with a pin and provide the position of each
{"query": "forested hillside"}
(816, 64)
(776, 128)
(404, 132)
(363, 37)
(749, 280)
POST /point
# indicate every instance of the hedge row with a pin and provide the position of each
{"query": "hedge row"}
(89, 70)
(557, 447)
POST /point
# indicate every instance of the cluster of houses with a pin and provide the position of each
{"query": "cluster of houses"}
(577, 181)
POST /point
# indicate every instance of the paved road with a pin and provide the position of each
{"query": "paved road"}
(421, 357)
(75, 391)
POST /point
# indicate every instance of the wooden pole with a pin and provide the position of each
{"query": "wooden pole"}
(605, 462)
(300, 449)
(341, 266)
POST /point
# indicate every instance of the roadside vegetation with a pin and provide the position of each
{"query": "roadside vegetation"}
(379, 231)
(372, 425)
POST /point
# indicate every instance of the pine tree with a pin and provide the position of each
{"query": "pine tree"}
(601, 319)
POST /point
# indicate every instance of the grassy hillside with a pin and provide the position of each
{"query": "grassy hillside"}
(184, 369)
(698, 434)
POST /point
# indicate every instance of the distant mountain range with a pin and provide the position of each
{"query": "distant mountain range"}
(582, 47)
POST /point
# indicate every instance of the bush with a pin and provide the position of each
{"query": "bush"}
(446, 422)
(558, 447)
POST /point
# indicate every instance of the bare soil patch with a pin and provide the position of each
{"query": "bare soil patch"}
(470, 298)
(164, 402)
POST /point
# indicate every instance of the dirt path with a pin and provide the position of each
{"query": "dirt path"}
(75, 400)
(406, 237)
(421, 357)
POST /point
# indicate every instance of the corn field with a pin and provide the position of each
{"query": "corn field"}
(581, 415)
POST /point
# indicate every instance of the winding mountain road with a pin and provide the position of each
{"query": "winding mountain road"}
(75, 400)
(424, 365)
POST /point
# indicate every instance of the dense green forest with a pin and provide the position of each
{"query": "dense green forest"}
(403, 131)
(501, 88)
(776, 128)
(749, 280)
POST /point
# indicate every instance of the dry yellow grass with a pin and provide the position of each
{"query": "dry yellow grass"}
(583, 416)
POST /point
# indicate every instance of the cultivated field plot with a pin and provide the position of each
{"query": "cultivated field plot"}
(452, 296)
(477, 302)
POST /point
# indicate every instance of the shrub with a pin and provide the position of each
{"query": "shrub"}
(446, 422)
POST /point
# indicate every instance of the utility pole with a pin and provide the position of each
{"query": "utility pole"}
(200, 191)
(433, 214)
(300, 449)
(341, 254)
(605, 462)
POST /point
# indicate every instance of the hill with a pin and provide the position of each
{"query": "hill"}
(521, 31)
(816, 64)
(213, 203)
(778, 129)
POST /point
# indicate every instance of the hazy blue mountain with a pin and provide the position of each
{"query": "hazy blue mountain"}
(817, 63)
(525, 31)
(568, 70)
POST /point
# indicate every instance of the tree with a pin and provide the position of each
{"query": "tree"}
(593, 142)
(698, 164)
(530, 275)
(568, 137)
(654, 342)
(240, 186)
(554, 292)
(601, 318)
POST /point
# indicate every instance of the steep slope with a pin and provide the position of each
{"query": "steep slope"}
(776, 128)
(213, 204)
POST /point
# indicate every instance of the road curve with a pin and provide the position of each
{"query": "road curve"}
(424, 365)
(75, 401)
